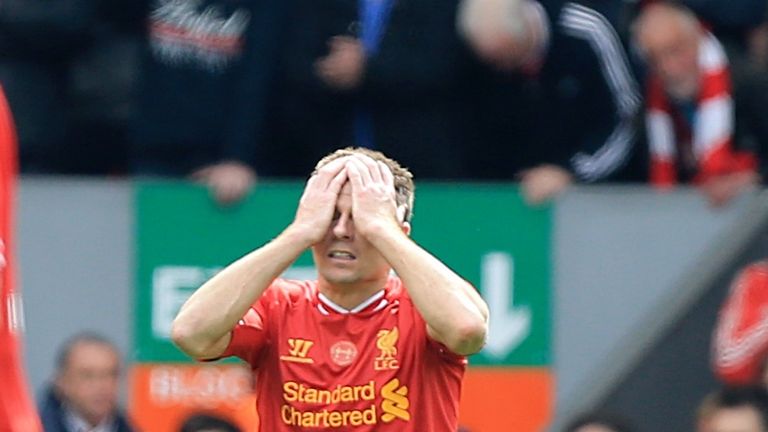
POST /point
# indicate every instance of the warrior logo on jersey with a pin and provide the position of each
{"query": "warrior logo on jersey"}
(298, 350)
(386, 343)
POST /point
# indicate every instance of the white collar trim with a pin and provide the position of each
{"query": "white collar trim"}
(325, 301)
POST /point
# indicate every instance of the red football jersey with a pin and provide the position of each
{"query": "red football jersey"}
(320, 367)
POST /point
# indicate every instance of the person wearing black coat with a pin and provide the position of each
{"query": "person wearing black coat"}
(53, 415)
(387, 75)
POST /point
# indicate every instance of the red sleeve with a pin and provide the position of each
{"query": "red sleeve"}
(442, 352)
(250, 337)
(740, 342)
(436, 348)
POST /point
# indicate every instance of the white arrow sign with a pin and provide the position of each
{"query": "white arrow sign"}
(509, 325)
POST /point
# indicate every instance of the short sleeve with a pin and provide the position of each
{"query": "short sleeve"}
(433, 347)
(250, 337)
(443, 353)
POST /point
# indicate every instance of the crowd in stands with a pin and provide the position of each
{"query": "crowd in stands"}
(547, 92)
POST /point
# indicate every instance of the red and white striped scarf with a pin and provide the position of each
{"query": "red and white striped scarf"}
(711, 134)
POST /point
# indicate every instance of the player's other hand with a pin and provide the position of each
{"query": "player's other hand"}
(318, 202)
(543, 183)
(228, 181)
(374, 208)
(720, 190)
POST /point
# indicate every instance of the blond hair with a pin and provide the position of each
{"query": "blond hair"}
(405, 189)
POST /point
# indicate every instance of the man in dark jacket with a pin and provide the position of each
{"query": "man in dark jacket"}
(83, 397)
(380, 74)
(589, 101)
(203, 89)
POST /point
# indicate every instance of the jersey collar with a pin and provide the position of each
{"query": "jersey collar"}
(374, 303)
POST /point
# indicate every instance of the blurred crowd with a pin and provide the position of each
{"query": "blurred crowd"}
(546, 92)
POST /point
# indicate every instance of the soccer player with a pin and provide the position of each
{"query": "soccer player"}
(359, 348)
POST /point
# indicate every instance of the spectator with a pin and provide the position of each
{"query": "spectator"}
(589, 98)
(691, 109)
(500, 117)
(598, 422)
(205, 76)
(740, 340)
(84, 393)
(736, 409)
(385, 74)
(208, 423)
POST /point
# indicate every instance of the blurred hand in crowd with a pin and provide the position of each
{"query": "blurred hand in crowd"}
(720, 190)
(344, 65)
(228, 181)
(543, 183)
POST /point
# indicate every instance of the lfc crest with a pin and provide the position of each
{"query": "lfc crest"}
(386, 342)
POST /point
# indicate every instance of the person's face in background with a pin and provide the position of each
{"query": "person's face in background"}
(737, 419)
(670, 44)
(88, 381)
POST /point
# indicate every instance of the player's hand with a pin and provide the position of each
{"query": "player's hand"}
(318, 202)
(228, 181)
(374, 208)
(543, 183)
(343, 67)
(721, 190)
